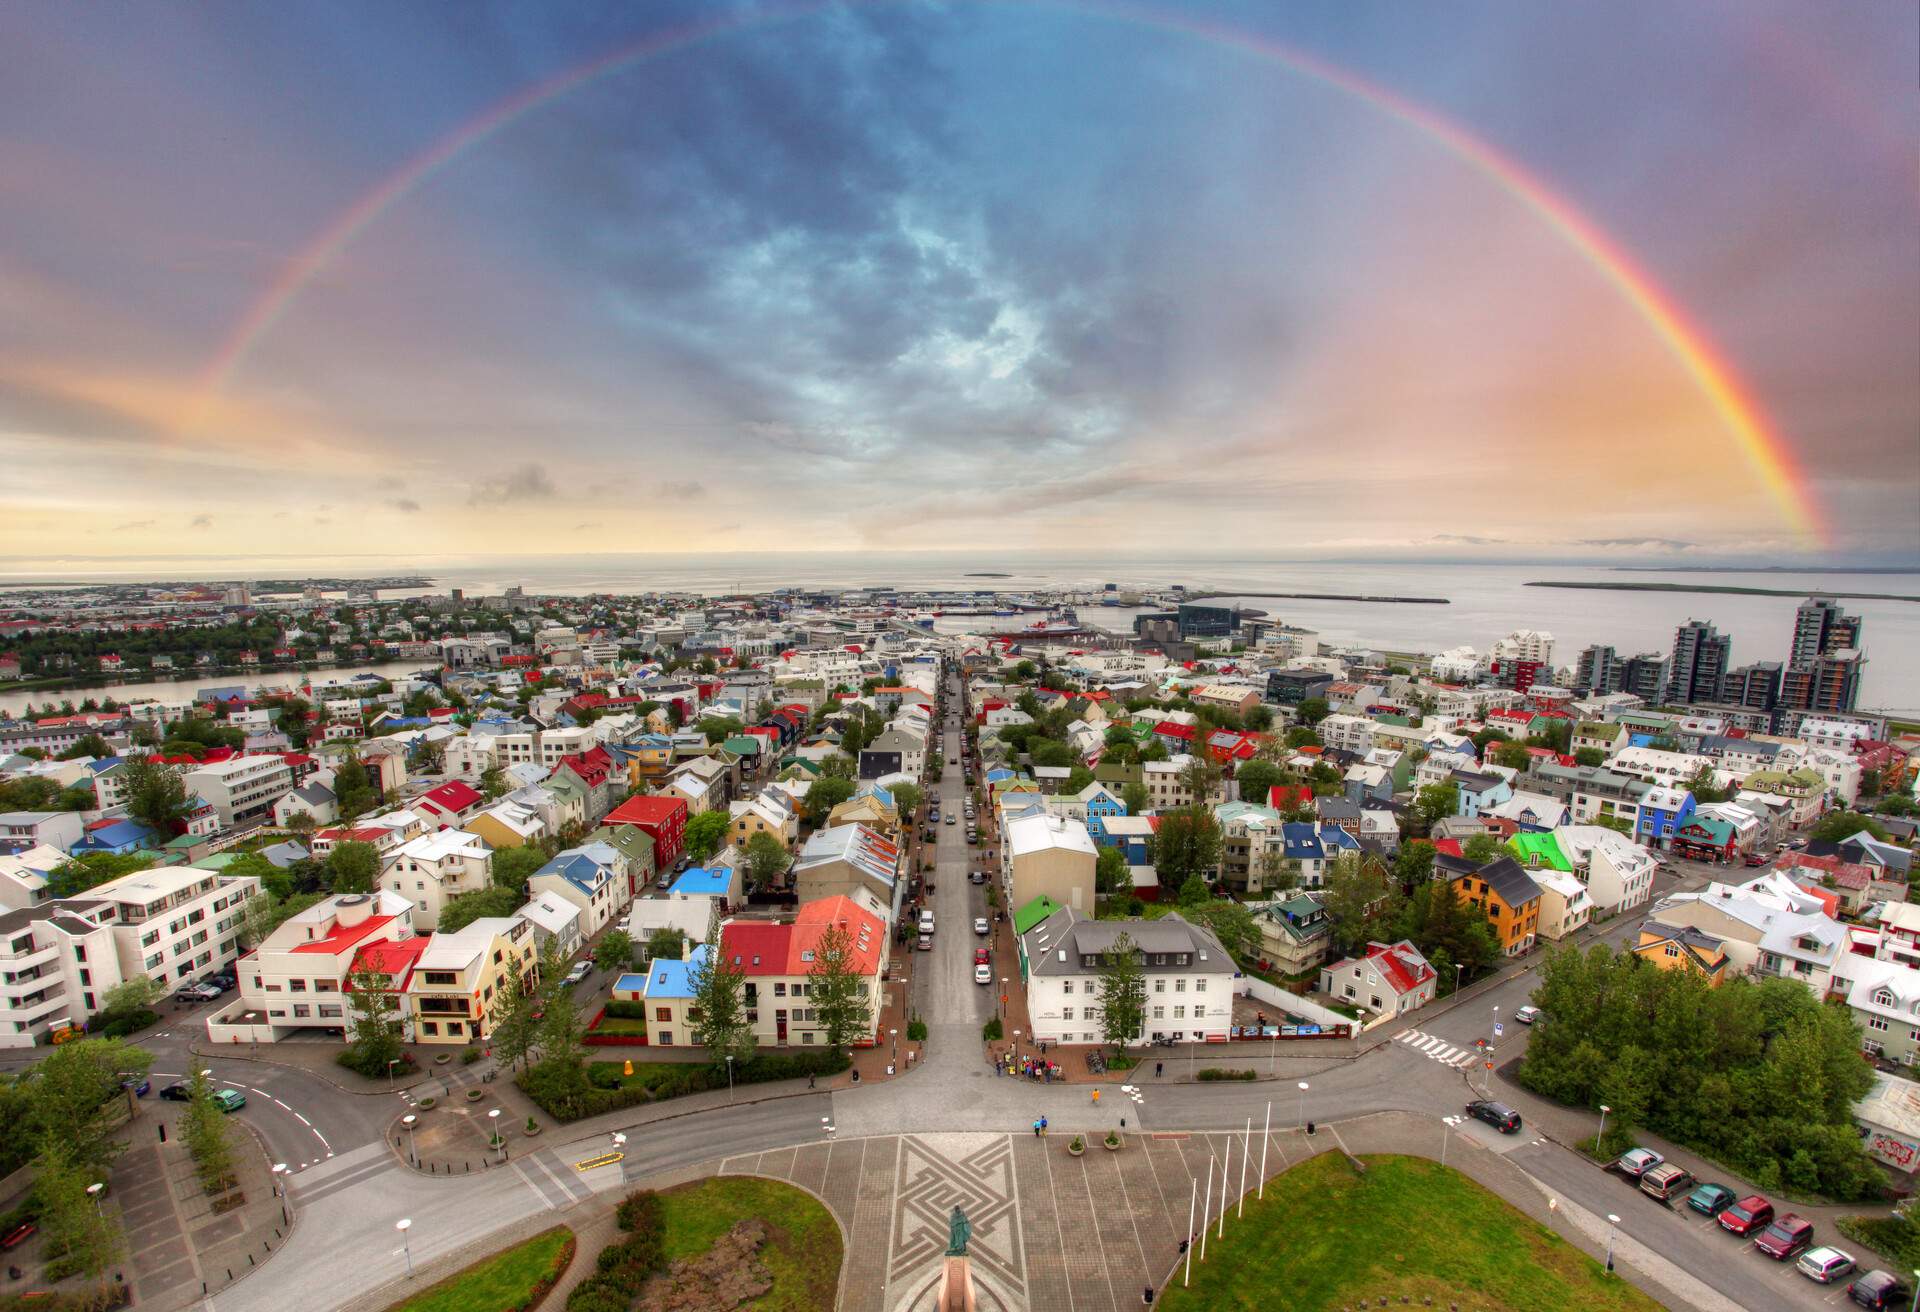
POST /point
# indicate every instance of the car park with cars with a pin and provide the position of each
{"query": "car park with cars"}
(1785, 1238)
(1636, 1162)
(1710, 1199)
(1497, 1114)
(1824, 1265)
(1748, 1216)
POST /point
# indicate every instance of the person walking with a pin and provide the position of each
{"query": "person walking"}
(1096, 1097)
(1036, 1129)
(1158, 1067)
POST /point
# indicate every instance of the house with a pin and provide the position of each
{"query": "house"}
(1308, 850)
(507, 823)
(666, 990)
(872, 806)
(702, 782)
(433, 868)
(1565, 907)
(849, 861)
(58, 959)
(1704, 838)
(115, 838)
(314, 801)
(23, 878)
(1884, 997)
(1617, 871)
(1295, 933)
(294, 981)
(555, 921)
(778, 959)
(771, 811)
(390, 963)
(1767, 927)
(1479, 792)
(1391, 979)
(1051, 855)
(1505, 892)
(21, 830)
(1189, 977)
(585, 876)
(176, 923)
(451, 804)
(663, 819)
(698, 900)
(461, 980)
(635, 848)
(1672, 947)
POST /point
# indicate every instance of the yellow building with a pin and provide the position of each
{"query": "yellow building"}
(1681, 947)
(453, 993)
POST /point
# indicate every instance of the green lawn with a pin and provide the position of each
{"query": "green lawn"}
(1331, 1238)
(803, 1255)
(504, 1280)
(619, 1025)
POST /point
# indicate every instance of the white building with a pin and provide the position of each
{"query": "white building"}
(1617, 871)
(241, 789)
(434, 867)
(295, 980)
(1189, 978)
(176, 923)
(57, 961)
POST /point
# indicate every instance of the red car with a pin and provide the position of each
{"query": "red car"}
(1785, 1238)
(1747, 1216)
(982, 957)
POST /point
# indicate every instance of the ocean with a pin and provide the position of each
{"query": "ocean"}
(1485, 601)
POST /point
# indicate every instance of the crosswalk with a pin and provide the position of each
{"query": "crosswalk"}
(1434, 1048)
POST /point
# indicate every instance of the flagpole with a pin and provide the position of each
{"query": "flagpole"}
(1205, 1209)
(1246, 1147)
(1193, 1201)
(1266, 1137)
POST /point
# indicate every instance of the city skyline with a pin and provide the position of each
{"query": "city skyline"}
(1576, 283)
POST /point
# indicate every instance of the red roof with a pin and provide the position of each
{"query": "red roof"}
(452, 797)
(1284, 797)
(1449, 847)
(1405, 973)
(761, 948)
(394, 958)
(345, 936)
(645, 811)
(1174, 730)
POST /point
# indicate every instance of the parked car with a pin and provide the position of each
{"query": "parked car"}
(1825, 1265)
(194, 994)
(141, 1087)
(926, 942)
(981, 956)
(1666, 1182)
(223, 982)
(950, 817)
(1754, 859)
(926, 922)
(229, 1100)
(665, 881)
(978, 876)
(1785, 1237)
(1749, 1215)
(981, 927)
(1878, 1290)
(1527, 1015)
(983, 974)
(581, 969)
(176, 1092)
(1497, 1114)
(1636, 1162)
(1710, 1199)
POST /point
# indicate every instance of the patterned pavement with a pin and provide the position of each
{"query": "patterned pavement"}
(1051, 1232)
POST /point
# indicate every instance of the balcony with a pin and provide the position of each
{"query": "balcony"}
(29, 960)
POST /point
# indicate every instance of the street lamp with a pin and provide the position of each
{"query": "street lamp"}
(280, 1177)
(619, 1141)
(1612, 1221)
(1459, 967)
(1494, 1033)
(1303, 1104)
(493, 1121)
(1003, 997)
(403, 1225)
(391, 1063)
(1600, 1139)
(729, 1077)
(94, 1191)
(895, 1036)
(1446, 1136)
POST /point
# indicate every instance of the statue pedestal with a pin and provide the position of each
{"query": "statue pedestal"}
(956, 1286)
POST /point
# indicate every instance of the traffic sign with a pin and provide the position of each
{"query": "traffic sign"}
(1498, 1030)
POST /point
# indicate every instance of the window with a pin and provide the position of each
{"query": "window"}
(1200, 986)
(779, 989)
(1066, 1013)
(1159, 986)
(1877, 1023)
(296, 986)
(1159, 1013)
(1179, 986)
(1179, 1013)
(1066, 986)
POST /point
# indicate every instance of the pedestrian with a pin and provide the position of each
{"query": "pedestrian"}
(1096, 1097)
(1036, 1129)
(1158, 1067)
(1146, 1296)
(809, 1081)
(1043, 1125)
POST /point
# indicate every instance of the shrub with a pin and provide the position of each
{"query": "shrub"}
(370, 1064)
(991, 1030)
(602, 1076)
(121, 1026)
(597, 1294)
(917, 1030)
(639, 1212)
(469, 1056)
(1215, 1073)
(627, 1010)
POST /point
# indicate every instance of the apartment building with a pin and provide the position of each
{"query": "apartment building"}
(242, 788)
(1189, 977)
(176, 923)
(57, 961)
(435, 867)
(542, 746)
(777, 960)
(452, 994)
(294, 982)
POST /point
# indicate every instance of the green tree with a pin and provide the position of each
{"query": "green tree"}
(718, 1011)
(75, 1096)
(1433, 804)
(1480, 849)
(1257, 779)
(1186, 844)
(767, 860)
(1231, 923)
(837, 990)
(1273, 874)
(1111, 877)
(1135, 798)
(511, 1027)
(1123, 992)
(1356, 894)
(1589, 756)
(907, 797)
(1413, 863)
(373, 1022)
(825, 793)
(1193, 893)
(666, 944)
(1837, 826)
(705, 833)
(1514, 756)
(80, 1236)
(560, 1024)
(204, 1127)
(493, 782)
(512, 867)
(614, 951)
(353, 867)
(89, 745)
(156, 794)
(1313, 710)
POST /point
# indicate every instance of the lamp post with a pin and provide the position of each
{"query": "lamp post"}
(279, 1179)
(1599, 1140)
(729, 1077)
(410, 1120)
(1003, 997)
(403, 1225)
(493, 1122)
(1459, 968)
(1303, 1104)
(1446, 1136)
(1612, 1221)
(1494, 1033)
(391, 1063)
(94, 1191)
(895, 1036)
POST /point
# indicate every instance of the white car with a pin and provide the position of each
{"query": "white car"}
(983, 974)
(1825, 1265)
(1527, 1015)
(581, 969)
(980, 925)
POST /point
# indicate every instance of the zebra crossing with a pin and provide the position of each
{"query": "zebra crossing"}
(1434, 1048)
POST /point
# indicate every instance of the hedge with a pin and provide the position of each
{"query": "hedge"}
(623, 1268)
(608, 1090)
(1215, 1073)
(626, 1010)
(121, 1026)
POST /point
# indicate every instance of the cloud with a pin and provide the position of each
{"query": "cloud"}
(405, 505)
(133, 524)
(1665, 544)
(528, 482)
(202, 521)
(1466, 539)
(581, 528)
(685, 491)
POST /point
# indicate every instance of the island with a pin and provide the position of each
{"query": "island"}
(1718, 587)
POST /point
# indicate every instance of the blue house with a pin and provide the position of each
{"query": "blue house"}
(1479, 793)
(116, 838)
(1663, 813)
(1102, 806)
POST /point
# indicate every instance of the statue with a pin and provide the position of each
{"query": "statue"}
(958, 1232)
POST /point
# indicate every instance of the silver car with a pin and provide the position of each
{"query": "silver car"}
(1825, 1265)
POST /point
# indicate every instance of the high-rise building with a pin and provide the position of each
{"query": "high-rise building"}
(1197, 621)
(1821, 627)
(1600, 671)
(1755, 686)
(1645, 676)
(1831, 685)
(1701, 658)
(1525, 645)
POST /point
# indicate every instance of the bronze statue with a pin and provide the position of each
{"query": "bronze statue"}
(958, 1232)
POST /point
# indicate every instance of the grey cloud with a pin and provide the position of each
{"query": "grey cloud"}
(405, 505)
(529, 482)
(202, 521)
(1466, 539)
(1665, 544)
(685, 490)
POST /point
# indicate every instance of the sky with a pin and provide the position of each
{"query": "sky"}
(565, 278)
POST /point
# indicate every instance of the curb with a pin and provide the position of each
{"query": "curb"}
(419, 1077)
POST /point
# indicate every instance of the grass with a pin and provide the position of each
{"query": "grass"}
(506, 1280)
(1893, 1237)
(619, 1025)
(802, 1253)
(1331, 1237)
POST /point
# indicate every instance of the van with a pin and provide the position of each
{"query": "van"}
(1666, 1182)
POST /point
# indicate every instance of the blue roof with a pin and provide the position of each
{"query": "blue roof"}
(582, 872)
(875, 790)
(701, 880)
(669, 979)
(118, 834)
(1302, 839)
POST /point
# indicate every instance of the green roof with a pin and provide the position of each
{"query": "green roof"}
(184, 841)
(1033, 913)
(742, 744)
(1529, 845)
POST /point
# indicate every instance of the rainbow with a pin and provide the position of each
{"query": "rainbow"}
(1739, 413)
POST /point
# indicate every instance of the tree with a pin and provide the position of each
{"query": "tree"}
(614, 951)
(837, 990)
(1480, 849)
(1413, 863)
(75, 1095)
(353, 787)
(511, 1027)
(666, 944)
(1301, 736)
(907, 797)
(1260, 718)
(493, 782)
(718, 1011)
(1356, 893)
(1123, 992)
(265, 912)
(1193, 893)
(512, 867)
(560, 1024)
(1313, 710)
(1837, 826)
(825, 793)
(1433, 804)
(1111, 876)
(1275, 874)
(1135, 798)
(1257, 779)
(1514, 756)
(373, 1022)
(204, 1127)
(1186, 844)
(353, 867)
(1589, 756)
(1231, 923)
(82, 1237)
(705, 833)
(767, 860)
(88, 745)
(156, 794)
